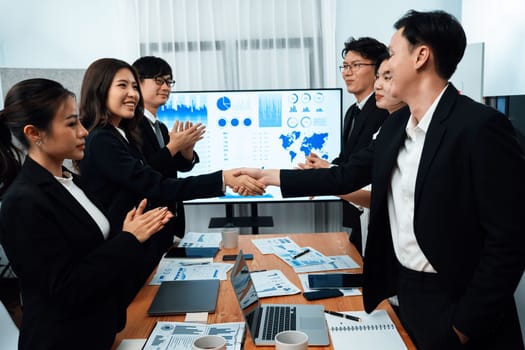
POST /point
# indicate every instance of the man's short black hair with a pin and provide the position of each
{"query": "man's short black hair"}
(151, 67)
(367, 47)
(439, 30)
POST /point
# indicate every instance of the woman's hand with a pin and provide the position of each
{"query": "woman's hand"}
(144, 225)
(244, 181)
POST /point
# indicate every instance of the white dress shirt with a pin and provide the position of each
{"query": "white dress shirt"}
(80, 196)
(401, 194)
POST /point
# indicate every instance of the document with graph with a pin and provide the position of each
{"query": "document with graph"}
(375, 331)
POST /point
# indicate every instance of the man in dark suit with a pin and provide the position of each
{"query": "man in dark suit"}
(446, 229)
(166, 151)
(362, 119)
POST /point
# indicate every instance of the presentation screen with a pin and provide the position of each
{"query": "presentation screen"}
(259, 128)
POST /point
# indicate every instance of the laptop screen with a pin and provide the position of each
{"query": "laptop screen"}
(245, 291)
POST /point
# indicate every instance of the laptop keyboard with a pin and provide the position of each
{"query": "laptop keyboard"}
(278, 319)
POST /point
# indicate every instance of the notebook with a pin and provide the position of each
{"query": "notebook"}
(264, 321)
(375, 331)
(179, 297)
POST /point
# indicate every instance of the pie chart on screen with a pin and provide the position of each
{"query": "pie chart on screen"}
(224, 103)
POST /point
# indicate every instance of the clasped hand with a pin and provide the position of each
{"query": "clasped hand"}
(244, 181)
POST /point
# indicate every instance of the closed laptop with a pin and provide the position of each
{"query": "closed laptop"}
(179, 297)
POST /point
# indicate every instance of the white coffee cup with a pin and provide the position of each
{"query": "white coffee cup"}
(291, 340)
(209, 342)
(230, 237)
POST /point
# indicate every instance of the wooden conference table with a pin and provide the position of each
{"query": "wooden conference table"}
(139, 324)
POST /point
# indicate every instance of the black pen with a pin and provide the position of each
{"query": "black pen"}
(258, 271)
(348, 317)
(301, 253)
(194, 264)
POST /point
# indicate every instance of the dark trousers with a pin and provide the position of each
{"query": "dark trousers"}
(426, 310)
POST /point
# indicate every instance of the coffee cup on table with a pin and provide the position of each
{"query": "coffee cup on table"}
(230, 237)
(209, 342)
(291, 340)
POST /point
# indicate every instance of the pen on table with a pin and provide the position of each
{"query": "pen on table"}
(301, 253)
(258, 271)
(194, 264)
(348, 317)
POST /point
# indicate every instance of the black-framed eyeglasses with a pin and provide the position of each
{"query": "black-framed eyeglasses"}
(354, 67)
(160, 80)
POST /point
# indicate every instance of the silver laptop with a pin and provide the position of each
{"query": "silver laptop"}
(264, 321)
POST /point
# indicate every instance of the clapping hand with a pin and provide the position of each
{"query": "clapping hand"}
(313, 161)
(184, 136)
(142, 224)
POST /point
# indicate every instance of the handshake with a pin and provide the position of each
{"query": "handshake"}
(250, 181)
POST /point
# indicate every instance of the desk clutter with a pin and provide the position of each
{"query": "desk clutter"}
(176, 274)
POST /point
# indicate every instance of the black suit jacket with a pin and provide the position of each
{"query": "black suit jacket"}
(366, 125)
(72, 281)
(161, 160)
(468, 210)
(118, 176)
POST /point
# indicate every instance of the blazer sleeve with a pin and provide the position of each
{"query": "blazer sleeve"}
(114, 160)
(498, 175)
(42, 253)
(346, 178)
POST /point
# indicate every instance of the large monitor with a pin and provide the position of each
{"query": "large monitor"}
(259, 128)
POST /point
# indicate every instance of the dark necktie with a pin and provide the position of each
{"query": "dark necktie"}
(158, 133)
(353, 115)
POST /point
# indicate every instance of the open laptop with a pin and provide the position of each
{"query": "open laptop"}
(264, 321)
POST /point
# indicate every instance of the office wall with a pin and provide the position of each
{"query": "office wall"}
(65, 34)
(500, 25)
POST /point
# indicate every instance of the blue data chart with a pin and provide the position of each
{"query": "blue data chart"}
(184, 108)
(270, 110)
(224, 103)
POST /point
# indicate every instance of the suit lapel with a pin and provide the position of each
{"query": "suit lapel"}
(347, 123)
(434, 137)
(148, 134)
(63, 199)
(359, 122)
(387, 156)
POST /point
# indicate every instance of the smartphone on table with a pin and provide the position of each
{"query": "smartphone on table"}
(335, 280)
(232, 257)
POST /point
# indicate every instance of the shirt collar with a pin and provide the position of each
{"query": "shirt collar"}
(150, 116)
(363, 101)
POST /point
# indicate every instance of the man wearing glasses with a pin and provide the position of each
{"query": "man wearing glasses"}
(166, 151)
(362, 119)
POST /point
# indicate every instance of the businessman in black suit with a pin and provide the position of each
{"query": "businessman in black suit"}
(168, 152)
(446, 229)
(362, 119)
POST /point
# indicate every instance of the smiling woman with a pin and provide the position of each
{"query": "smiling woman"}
(114, 167)
(57, 238)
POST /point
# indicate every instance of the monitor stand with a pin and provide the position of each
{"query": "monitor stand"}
(254, 221)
